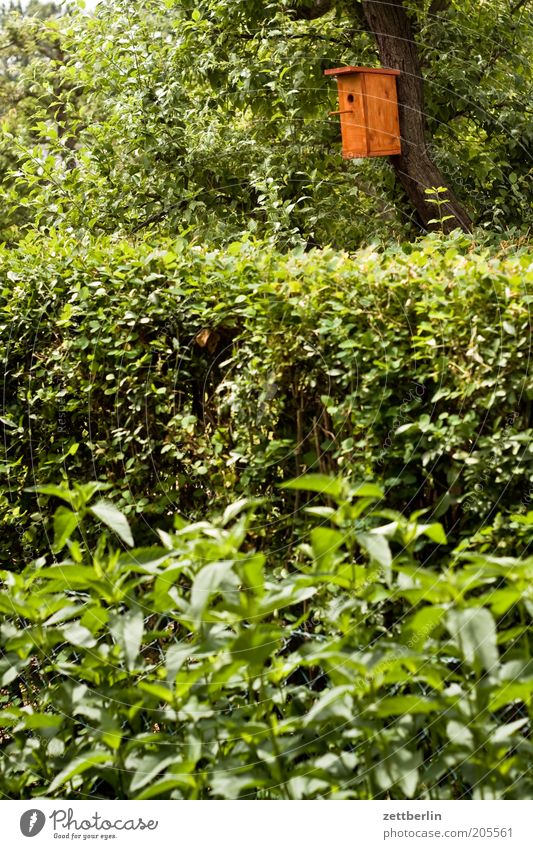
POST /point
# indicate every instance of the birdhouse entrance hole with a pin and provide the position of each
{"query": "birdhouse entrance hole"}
(368, 109)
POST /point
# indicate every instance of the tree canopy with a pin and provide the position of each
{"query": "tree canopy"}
(214, 115)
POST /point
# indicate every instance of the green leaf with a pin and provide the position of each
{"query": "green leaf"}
(41, 721)
(78, 635)
(399, 767)
(336, 703)
(505, 733)
(147, 560)
(114, 519)
(377, 547)
(10, 667)
(255, 645)
(367, 490)
(111, 732)
(474, 632)
(460, 735)
(207, 582)
(127, 630)
(160, 788)
(253, 572)
(158, 691)
(148, 768)
(322, 484)
(284, 596)
(325, 542)
(176, 656)
(95, 618)
(400, 705)
(87, 490)
(510, 692)
(419, 628)
(434, 532)
(65, 522)
(232, 510)
(77, 766)
(51, 489)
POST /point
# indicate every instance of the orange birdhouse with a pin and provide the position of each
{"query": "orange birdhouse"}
(368, 107)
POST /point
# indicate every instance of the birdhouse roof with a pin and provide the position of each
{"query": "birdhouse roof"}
(351, 69)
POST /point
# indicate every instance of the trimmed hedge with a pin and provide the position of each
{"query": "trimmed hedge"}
(185, 377)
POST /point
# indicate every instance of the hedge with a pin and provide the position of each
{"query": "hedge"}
(186, 377)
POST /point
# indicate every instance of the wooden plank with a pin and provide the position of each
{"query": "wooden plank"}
(352, 69)
(353, 125)
(388, 152)
(382, 120)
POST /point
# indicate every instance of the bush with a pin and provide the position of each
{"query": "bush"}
(186, 377)
(198, 669)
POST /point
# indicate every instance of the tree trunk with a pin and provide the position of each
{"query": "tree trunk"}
(414, 168)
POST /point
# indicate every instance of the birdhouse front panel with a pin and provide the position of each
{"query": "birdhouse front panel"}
(368, 109)
(383, 125)
(352, 115)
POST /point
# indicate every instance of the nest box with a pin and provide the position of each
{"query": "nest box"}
(368, 107)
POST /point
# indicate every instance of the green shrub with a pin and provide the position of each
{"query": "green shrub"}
(186, 377)
(197, 668)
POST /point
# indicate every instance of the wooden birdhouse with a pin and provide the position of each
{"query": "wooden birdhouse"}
(368, 108)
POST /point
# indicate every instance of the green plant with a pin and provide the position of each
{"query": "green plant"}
(183, 377)
(434, 197)
(198, 668)
(224, 129)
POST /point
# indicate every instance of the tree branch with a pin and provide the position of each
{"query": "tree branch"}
(314, 36)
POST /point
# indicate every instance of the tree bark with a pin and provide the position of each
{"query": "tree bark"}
(390, 24)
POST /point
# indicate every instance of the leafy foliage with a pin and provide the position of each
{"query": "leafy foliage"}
(265, 500)
(197, 668)
(184, 377)
(213, 115)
